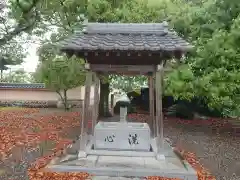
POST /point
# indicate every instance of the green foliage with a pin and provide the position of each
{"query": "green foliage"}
(11, 54)
(65, 15)
(127, 83)
(17, 16)
(47, 51)
(211, 71)
(214, 68)
(181, 89)
(18, 76)
(128, 12)
(61, 74)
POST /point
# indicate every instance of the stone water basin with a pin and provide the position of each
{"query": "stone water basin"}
(122, 136)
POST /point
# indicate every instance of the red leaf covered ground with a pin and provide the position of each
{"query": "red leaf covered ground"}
(31, 129)
(25, 130)
(18, 128)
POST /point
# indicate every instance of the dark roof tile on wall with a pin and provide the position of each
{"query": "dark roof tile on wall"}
(125, 37)
(23, 85)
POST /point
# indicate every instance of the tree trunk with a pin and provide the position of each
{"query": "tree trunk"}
(104, 100)
(65, 100)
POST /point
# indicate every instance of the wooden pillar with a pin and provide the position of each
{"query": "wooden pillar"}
(151, 105)
(98, 98)
(96, 101)
(159, 114)
(86, 109)
(112, 104)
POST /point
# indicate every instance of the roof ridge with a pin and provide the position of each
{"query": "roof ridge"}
(161, 33)
(126, 28)
(164, 23)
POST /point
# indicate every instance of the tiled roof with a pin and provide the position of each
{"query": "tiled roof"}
(123, 36)
(23, 85)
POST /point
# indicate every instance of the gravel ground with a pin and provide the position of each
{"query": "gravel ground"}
(219, 154)
(14, 171)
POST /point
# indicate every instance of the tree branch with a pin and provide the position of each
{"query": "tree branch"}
(17, 30)
(20, 27)
(2, 4)
(5, 26)
(61, 2)
(59, 93)
(62, 21)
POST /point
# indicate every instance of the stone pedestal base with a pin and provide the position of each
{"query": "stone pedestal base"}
(121, 164)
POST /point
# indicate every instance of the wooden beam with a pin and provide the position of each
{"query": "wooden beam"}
(124, 73)
(123, 68)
